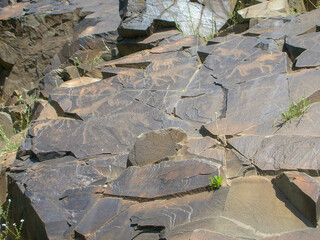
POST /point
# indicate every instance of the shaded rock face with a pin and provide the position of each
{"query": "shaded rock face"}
(127, 150)
(32, 33)
(302, 191)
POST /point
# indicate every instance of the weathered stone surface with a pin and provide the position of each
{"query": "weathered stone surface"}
(109, 167)
(277, 27)
(167, 179)
(51, 27)
(141, 18)
(270, 213)
(73, 180)
(201, 234)
(272, 154)
(101, 213)
(44, 111)
(156, 146)
(304, 50)
(306, 234)
(256, 117)
(266, 9)
(302, 191)
(129, 46)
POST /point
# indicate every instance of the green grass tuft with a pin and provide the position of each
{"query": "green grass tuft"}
(296, 109)
(215, 183)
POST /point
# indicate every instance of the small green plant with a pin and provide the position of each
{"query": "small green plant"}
(7, 229)
(96, 61)
(14, 142)
(76, 62)
(9, 144)
(296, 109)
(215, 183)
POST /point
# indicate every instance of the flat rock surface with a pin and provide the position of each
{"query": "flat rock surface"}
(270, 213)
(164, 180)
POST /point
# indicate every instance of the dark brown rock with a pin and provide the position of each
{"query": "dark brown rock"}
(102, 212)
(302, 191)
(54, 30)
(129, 46)
(167, 179)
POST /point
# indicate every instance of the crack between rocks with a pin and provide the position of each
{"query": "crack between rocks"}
(188, 97)
(61, 113)
(223, 112)
(166, 197)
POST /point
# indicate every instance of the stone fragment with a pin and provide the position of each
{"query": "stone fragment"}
(156, 146)
(302, 191)
(44, 110)
(167, 179)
